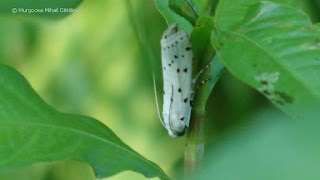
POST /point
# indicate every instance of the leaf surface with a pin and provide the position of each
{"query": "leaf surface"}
(172, 17)
(230, 12)
(32, 131)
(277, 51)
(271, 146)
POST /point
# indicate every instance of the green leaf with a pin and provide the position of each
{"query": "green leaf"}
(230, 13)
(311, 7)
(205, 7)
(32, 131)
(204, 52)
(200, 4)
(200, 38)
(186, 9)
(277, 51)
(171, 17)
(54, 8)
(271, 146)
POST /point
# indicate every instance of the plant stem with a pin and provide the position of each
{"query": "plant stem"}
(195, 142)
(196, 135)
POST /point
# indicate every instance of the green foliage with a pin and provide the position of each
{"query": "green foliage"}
(34, 132)
(186, 9)
(171, 16)
(277, 51)
(230, 13)
(200, 38)
(271, 146)
(18, 7)
(204, 53)
(271, 46)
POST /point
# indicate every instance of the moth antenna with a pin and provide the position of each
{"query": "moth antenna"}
(156, 96)
(170, 111)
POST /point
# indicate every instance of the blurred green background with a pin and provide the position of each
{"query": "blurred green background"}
(99, 62)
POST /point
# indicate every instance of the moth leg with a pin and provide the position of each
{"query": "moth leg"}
(194, 92)
(201, 72)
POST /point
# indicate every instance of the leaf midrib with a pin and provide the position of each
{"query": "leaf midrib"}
(76, 131)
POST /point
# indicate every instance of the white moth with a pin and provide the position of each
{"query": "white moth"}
(177, 81)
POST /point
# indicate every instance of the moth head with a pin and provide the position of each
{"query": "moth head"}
(170, 31)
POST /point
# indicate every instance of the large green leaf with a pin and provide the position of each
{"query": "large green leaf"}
(39, 7)
(271, 146)
(32, 131)
(277, 51)
(230, 12)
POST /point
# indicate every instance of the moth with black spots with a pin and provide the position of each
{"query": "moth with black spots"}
(177, 81)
